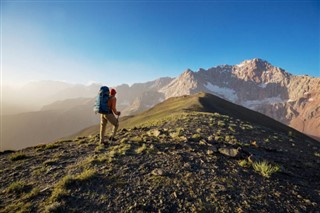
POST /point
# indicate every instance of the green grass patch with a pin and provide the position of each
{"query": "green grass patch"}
(141, 149)
(244, 163)
(18, 156)
(221, 123)
(136, 139)
(50, 162)
(52, 146)
(196, 137)
(19, 207)
(18, 187)
(247, 127)
(61, 189)
(264, 168)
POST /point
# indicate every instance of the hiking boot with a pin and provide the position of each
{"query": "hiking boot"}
(112, 139)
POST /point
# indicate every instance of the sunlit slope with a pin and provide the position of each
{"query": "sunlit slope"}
(200, 102)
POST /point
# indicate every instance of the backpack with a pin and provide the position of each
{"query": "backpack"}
(101, 105)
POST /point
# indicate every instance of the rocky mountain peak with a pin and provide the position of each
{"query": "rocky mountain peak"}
(260, 71)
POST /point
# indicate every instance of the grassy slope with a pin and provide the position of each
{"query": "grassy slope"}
(174, 161)
(201, 102)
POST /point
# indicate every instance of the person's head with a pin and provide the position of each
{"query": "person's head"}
(113, 92)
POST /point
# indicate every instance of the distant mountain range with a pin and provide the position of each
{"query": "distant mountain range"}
(255, 84)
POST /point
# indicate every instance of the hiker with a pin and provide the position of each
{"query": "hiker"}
(110, 116)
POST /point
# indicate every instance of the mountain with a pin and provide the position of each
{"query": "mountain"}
(140, 96)
(255, 84)
(195, 153)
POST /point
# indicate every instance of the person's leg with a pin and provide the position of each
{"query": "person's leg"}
(114, 121)
(103, 124)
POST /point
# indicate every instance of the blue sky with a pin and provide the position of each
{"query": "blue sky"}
(115, 42)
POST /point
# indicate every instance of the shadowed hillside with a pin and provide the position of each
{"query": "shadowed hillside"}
(187, 154)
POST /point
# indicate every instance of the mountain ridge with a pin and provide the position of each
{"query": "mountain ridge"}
(200, 102)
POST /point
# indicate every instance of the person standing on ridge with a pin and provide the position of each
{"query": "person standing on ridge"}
(104, 118)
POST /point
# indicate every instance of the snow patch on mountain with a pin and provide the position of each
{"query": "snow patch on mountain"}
(227, 93)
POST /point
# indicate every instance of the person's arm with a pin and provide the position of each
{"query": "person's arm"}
(113, 106)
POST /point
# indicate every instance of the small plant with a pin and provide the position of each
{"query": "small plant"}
(141, 149)
(231, 129)
(100, 148)
(82, 141)
(246, 127)
(265, 168)
(221, 123)
(18, 156)
(86, 175)
(136, 139)
(218, 138)
(317, 154)
(244, 163)
(60, 190)
(17, 187)
(52, 146)
(196, 137)
(50, 162)
(39, 171)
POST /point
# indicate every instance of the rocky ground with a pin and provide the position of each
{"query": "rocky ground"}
(190, 162)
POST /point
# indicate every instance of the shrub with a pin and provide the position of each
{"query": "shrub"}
(86, 175)
(17, 187)
(52, 146)
(61, 189)
(18, 156)
(265, 168)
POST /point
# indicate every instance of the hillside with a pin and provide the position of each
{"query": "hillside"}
(187, 154)
(200, 102)
(54, 121)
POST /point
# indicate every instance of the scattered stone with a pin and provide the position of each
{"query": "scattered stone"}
(158, 172)
(231, 152)
(209, 152)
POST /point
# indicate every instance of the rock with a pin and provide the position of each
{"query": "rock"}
(213, 149)
(231, 152)
(158, 172)
(209, 152)
(202, 172)
(156, 132)
(187, 165)
(203, 142)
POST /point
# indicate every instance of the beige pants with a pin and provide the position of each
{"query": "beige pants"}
(103, 124)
